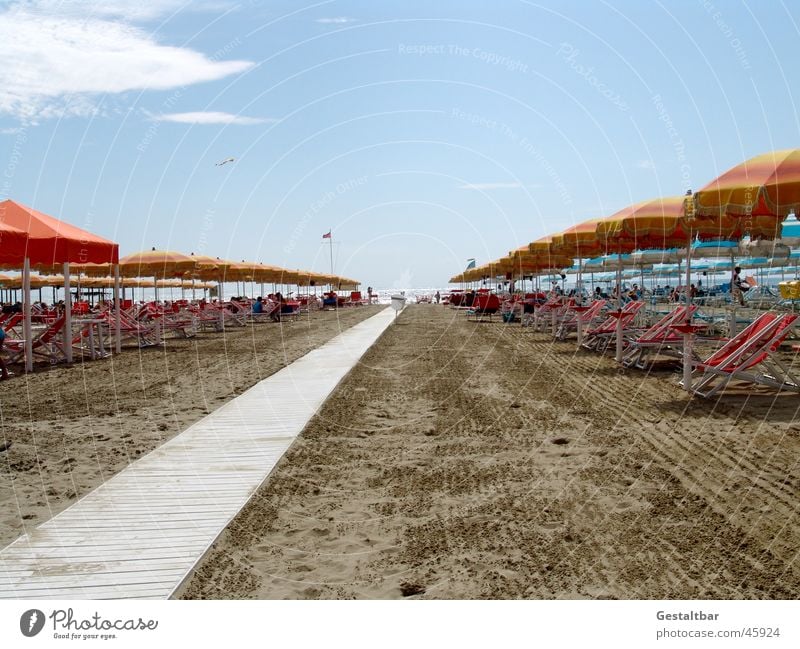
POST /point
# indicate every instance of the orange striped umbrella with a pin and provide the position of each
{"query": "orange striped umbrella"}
(758, 193)
(655, 224)
(579, 241)
(155, 263)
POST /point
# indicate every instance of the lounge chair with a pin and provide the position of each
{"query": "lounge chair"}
(484, 306)
(660, 338)
(45, 345)
(749, 357)
(599, 338)
(569, 322)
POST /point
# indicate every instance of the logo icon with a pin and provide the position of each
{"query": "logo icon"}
(31, 622)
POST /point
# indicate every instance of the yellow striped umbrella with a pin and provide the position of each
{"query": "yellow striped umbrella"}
(578, 241)
(156, 263)
(755, 195)
(654, 224)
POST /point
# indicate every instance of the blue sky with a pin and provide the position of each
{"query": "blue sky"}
(422, 133)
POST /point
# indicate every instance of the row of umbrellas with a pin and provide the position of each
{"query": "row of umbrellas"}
(55, 281)
(30, 239)
(751, 199)
(162, 264)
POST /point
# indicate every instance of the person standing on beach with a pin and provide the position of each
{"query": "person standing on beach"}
(438, 297)
(3, 367)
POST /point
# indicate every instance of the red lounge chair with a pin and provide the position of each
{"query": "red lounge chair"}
(569, 323)
(44, 345)
(748, 357)
(600, 337)
(484, 305)
(660, 338)
(13, 320)
(542, 314)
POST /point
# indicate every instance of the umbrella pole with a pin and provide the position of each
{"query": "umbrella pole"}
(117, 314)
(619, 307)
(26, 308)
(687, 338)
(67, 315)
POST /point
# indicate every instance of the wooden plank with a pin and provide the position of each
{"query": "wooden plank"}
(140, 533)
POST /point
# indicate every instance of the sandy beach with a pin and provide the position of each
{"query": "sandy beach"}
(68, 429)
(482, 460)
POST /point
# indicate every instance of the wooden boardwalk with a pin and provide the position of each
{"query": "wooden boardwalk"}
(140, 533)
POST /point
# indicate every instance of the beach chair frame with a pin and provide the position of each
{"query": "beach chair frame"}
(748, 357)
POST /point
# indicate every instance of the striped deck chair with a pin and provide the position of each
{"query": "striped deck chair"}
(660, 338)
(12, 322)
(144, 330)
(45, 345)
(599, 338)
(542, 313)
(748, 357)
(569, 322)
(551, 313)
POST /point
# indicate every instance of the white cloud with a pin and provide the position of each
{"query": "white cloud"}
(645, 164)
(485, 186)
(61, 63)
(339, 20)
(131, 10)
(210, 117)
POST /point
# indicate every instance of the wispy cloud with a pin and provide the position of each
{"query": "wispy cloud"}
(210, 117)
(58, 61)
(339, 20)
(485, 186)
(645, 164)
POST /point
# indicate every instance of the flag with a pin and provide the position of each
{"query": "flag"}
(470, 264)
(327, 236)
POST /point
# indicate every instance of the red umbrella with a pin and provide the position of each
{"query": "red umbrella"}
(56, 242)
(13, 244)
(52, 242)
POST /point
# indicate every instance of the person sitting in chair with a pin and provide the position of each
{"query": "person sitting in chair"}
(258, 305)
(275, 314)
(738, 286)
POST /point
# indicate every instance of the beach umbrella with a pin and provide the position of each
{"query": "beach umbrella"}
(159, 264)
(656, 256)
(51, 242)
(579, 241)
(757, 193)
(13, 246)
(656, 224)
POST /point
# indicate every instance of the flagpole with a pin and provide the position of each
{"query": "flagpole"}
(330, 241)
